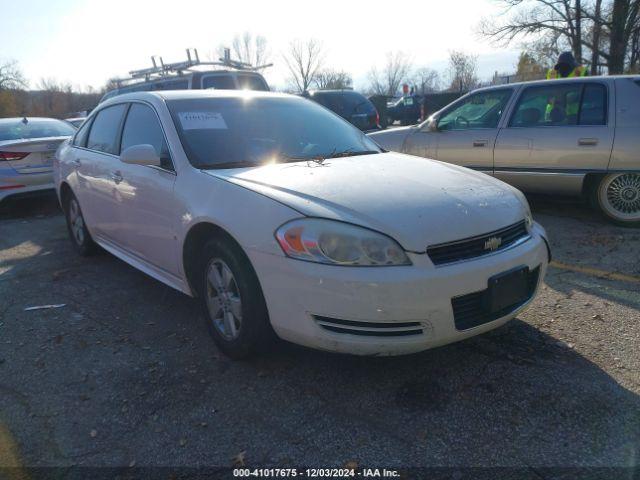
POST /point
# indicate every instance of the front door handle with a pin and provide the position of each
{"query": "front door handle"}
(76, 162)
(587, 142)
(116, 177)
(480, 143)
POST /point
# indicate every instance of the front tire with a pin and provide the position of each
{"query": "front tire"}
(232, 301)
(617, 196)
(78, 232)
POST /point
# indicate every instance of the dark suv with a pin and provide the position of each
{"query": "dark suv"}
(352, 106)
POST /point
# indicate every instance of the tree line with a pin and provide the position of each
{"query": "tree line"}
(602, 34)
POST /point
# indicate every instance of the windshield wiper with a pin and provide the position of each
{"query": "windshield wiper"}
(321, 158)
(348, 153)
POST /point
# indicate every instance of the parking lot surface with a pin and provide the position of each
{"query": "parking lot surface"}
(125, 373)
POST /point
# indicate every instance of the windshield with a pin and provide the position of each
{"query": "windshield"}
(18, 129)
(227, 132)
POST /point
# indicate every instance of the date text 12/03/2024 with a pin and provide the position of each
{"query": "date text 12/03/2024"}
(315, 472)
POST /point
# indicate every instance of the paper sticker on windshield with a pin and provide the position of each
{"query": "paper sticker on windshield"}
(202, 121)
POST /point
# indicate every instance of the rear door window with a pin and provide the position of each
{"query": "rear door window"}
(103, 136)
(355, 103)
(142, 127)
(219, 82)
(561, 104)
(593, 108)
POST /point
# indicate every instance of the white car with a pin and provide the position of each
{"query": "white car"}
(283, 218)
(27, 149)
(75, 121)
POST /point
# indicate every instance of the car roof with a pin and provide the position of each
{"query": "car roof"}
(187, 94)
(546, 82)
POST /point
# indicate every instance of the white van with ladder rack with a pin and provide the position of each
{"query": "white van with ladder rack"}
(192, 74)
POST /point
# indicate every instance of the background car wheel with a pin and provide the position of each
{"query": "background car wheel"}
(78, 232)
(232, 301)
(618, 197)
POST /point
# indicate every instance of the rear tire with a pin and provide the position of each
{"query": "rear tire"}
(78, 232)
(617, 196)
(232, 301)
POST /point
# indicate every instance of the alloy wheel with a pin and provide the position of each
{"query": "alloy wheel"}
(76, 221)
(620, 196)
(223, 299)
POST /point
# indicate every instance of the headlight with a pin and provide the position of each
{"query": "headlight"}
(337, 243)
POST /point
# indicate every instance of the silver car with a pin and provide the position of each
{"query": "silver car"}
(27, 150)
(576, 136)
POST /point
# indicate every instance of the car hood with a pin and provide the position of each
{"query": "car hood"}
(392, 138)
(417, 201)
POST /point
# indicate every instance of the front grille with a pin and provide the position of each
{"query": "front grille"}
(370, 329)
(476, 246)
(470, 310)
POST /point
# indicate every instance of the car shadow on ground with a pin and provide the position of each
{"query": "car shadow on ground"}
(19, 207)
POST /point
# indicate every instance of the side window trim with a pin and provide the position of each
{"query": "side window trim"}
(88, 124)
(582, 85)
(123, 120)
(164, 134)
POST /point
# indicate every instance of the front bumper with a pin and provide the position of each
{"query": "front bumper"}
(297, 293)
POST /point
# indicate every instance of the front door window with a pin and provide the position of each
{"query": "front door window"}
(481, 110)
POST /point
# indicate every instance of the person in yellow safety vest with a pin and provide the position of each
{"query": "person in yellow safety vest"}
(566, 67)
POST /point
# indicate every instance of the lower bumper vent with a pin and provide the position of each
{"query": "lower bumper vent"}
(370, 329)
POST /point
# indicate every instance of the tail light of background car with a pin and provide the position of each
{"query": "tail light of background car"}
(12, 156)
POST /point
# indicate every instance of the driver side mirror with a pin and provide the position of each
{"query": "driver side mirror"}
(143, 154)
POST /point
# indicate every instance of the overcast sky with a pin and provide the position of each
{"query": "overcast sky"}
(85, 42)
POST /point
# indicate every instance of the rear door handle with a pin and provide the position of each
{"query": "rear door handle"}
(480, 143)
(116, 177)
(587, 142)
(76, 162)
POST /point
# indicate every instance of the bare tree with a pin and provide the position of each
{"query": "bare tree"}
(462, 71)
(595, 36)
(395, 71)
(606, 28)
(251, 49)
(11, 77)
(304, 59)
(625, 16)
(426, 80)
(333, 79)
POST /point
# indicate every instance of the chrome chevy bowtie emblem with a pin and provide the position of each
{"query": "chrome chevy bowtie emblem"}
(492, 243)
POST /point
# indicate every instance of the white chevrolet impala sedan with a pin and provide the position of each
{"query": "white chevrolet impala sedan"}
(284, 220)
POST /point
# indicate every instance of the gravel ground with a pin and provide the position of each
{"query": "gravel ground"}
(125, 374)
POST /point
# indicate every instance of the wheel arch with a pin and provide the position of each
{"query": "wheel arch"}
(197, 236)
(591, 182)
(64, 192)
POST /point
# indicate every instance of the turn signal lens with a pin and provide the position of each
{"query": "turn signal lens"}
(13, 156)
